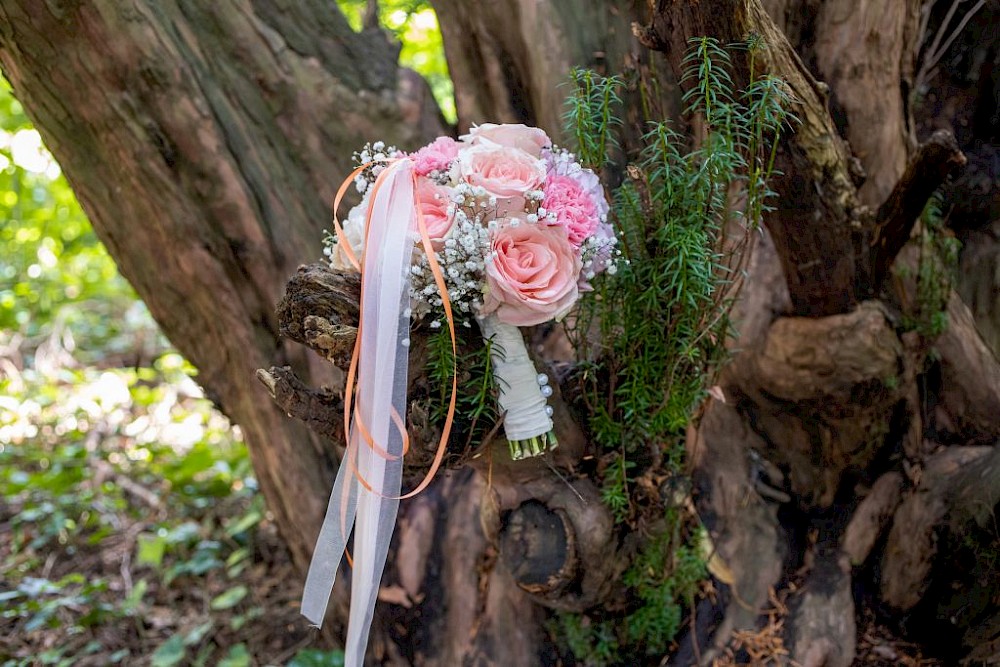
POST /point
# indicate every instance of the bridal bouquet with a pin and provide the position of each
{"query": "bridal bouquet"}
(500, 228)
(518, 229)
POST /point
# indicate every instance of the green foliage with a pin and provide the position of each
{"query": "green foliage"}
(414, 23)
(56, 279)
(476, 403)
(670, 216)
(662, 580)
(315, 658)
(591, 116)
(653, 336)
(594, 642)
(89, 455)
(936, 272)
(86, 452)
(614, 492)
(665, 576)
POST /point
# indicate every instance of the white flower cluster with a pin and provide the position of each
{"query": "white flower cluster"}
(562, 161)
(600, 254)
(376, 153)
(463, 264)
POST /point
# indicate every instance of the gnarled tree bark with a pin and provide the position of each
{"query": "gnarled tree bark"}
(205, 147)
(872, 399)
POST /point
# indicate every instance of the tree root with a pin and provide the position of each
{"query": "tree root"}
(933, 162)
(872, 517)
(743, 528)
(913, 539)
(821, 623)
(822, 390)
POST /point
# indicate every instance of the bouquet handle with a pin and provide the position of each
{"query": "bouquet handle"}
(527, 422)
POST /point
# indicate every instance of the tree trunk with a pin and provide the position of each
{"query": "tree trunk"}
(824, 419)
(205, 141)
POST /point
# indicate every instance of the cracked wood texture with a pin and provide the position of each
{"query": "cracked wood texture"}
(865, 54)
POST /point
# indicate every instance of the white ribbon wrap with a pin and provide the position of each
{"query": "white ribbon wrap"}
(383, 337)
(520, 396)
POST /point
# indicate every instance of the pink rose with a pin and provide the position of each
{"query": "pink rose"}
(504, 172)
(531, 140)
(434, 203)
(532, 274)
(435, 156)
(574, 208)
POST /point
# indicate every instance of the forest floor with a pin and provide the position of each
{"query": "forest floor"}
(131, 529)
(132, 532)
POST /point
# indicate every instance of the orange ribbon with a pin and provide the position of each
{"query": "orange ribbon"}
(352, 371)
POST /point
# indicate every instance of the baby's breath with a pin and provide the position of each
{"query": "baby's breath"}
(462, 258)
(374, 155)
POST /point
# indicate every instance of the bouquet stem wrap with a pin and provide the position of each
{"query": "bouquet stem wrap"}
(526, 422)
(366, 493)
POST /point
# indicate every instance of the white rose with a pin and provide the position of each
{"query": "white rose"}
(354, 235)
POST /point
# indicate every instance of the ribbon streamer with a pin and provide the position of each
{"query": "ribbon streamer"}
(366, 493)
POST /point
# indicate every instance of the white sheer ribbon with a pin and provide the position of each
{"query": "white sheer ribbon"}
(367, 489)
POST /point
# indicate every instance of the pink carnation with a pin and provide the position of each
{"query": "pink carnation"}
(574, 208)
(435, 156)
(559, 164)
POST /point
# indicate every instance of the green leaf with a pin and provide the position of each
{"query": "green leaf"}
(184, 533)
(239, 621)
(170, 652)
(229, 599)
(43, 617)
(204, 653)
(118, 656)
(33, 586)
(237, 556)
(151, 549)
(202, 561)
(311, 657)
(248, 521)
(238, 656)
(134, 598)
(195, 635)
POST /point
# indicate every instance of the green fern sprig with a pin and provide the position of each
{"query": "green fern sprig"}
(652, 337)
(476, 404)
(591, 116)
